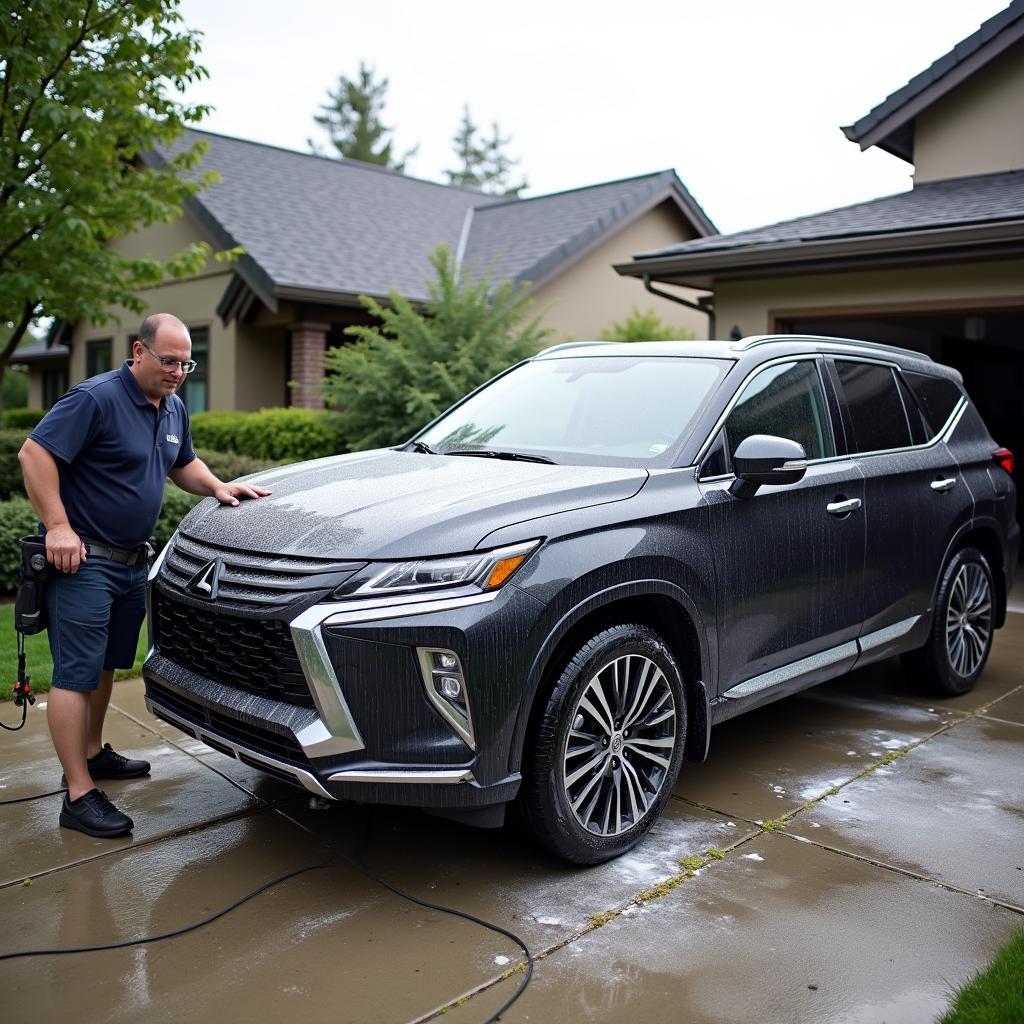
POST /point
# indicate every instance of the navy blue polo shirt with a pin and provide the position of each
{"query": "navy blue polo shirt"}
(113, 449)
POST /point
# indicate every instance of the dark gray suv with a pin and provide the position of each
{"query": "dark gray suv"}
(552, 593)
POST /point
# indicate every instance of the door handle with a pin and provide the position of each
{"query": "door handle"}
(842, 508)
(944, 485)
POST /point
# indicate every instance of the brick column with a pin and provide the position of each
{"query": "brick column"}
(307, 370)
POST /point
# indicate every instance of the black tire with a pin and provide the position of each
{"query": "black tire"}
(608, 808)
(958, 646)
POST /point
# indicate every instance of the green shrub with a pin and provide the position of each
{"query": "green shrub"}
(218, 429)
(17, 519)
(230, 466)
(289, 434)
(22, 419)
(11, 482)
(177, 504)
(645, 325)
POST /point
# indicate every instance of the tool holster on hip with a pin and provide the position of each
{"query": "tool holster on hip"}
(30, 602)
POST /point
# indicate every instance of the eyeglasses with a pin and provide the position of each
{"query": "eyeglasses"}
(186, 365)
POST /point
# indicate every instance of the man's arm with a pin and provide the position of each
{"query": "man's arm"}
(196, 478)
(64, 548)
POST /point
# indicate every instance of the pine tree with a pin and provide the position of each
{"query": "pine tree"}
(397, 375)
(352, 120)
(484, 163)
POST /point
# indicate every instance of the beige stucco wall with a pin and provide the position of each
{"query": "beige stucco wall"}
(587, 297)
(751, 305)
(978, 128)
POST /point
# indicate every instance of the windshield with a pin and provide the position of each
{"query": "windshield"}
(614, 410)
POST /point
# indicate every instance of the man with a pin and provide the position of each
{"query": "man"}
(94, 471)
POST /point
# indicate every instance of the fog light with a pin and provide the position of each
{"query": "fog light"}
(445, 683)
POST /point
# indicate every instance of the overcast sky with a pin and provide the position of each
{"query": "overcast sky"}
(743, 98)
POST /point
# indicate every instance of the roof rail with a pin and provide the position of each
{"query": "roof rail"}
(764, 339)
(570, 344)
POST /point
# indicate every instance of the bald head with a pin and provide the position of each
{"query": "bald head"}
(152, 324)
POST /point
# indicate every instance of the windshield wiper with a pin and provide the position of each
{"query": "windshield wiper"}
(423, 448)
(491, 453)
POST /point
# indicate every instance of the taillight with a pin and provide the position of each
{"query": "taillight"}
(1005, 459)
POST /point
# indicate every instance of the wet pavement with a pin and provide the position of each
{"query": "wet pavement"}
(867, 856)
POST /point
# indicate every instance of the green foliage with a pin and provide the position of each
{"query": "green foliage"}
(290, 435)
(400, 374)
(14, 394)
(11, 482)
(351, 118)
(218, 429)
(17, 519)
(484, 165)
(177, 504)
(85, 91)
(229, 466)
(995, 995)
(21, 419)
(645, 325)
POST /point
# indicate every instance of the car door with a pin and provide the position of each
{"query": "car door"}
(914, 496)
(788, 560)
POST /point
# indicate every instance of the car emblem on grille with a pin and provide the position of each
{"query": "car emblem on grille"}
(206, 582)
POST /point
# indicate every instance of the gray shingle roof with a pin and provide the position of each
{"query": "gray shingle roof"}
(347, 228)
(984, 198)
(889, 126)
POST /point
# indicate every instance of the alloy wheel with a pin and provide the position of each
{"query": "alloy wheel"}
(969, 619)
(620, 745)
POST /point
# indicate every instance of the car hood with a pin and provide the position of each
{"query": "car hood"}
(393, 504)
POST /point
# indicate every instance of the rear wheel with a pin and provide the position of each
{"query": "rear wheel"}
(605, 751)
(954, 657)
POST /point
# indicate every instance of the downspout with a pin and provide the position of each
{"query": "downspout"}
(705, 304)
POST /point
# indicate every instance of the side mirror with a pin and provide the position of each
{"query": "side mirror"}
(763, 459)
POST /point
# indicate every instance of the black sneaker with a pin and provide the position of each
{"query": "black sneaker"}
(109, 764)
(95, 815)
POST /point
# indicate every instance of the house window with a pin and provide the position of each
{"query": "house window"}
(98, 356)
(193, 388)
(55, 383)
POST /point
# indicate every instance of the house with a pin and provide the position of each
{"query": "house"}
(939, 269)
(318, 233)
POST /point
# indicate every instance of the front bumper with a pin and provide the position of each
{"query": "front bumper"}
(370, 733)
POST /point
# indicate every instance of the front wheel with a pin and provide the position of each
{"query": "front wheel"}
(606, 748)
(953, 658)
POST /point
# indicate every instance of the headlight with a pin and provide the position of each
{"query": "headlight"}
(482, 571)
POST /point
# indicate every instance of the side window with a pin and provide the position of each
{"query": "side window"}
(938, 397)
(787, 401)
(98, 357)
(876, 408)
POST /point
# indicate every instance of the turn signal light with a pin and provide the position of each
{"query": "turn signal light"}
(503, 569)
(1005, 459)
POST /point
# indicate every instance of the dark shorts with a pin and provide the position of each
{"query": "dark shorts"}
(95, 616)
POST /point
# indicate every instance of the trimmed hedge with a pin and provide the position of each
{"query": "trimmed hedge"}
(279, 434)
(11, 483)
(17, 519)
(22, 419)
(229, 466)
(177, 504)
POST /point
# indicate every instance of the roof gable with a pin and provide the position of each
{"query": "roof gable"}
(890, 125)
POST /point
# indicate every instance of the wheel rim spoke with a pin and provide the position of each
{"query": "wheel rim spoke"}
(969, 620)
(618, 753)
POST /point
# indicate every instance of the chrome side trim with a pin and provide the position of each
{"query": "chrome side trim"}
(796, 668)
(886, 635)
(306, 779)
(336, 732)
(159, 561)
(445, 777)
(392, 608)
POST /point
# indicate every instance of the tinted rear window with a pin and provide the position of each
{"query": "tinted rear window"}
(876, 408)
(938, 397)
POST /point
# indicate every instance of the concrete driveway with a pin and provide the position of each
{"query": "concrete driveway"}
(873, 846)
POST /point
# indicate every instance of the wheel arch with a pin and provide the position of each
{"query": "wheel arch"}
(984, 536)
(660, 605)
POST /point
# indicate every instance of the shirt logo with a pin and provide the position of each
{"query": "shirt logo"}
(173, 438)
(206, 582)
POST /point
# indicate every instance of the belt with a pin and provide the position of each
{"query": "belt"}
(125, 556)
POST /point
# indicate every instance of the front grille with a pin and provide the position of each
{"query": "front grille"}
(263, 741)
(254, 581)
(253, 655)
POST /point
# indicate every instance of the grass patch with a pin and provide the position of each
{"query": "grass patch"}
(715, 854)
(773, 824)
(37, 656)
(996, 994)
